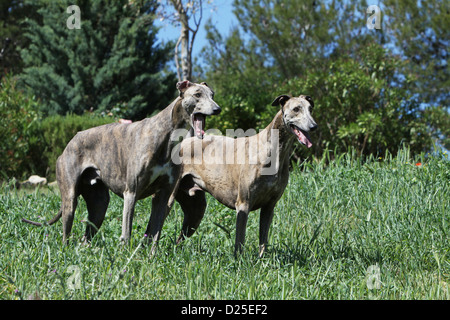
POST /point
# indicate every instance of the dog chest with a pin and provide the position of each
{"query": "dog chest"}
(159, 171)
(159, 177)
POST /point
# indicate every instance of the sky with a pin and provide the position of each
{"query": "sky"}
(221, 15)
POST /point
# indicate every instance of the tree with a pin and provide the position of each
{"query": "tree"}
(191, 10)
(363, 104)
(420, 32)
(12, 12)
(283, 39)
(241, 79)
(361, 86)
(296, 35)
(113, 62)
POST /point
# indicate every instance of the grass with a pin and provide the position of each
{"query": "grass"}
(352, 229)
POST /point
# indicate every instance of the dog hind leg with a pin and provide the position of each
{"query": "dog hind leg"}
(193, 208)
(68, 207)
(97, 200)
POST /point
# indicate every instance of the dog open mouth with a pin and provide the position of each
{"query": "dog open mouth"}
(302, 136)
(198, 121)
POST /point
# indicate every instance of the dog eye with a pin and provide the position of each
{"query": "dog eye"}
(296, 109)
(198, 95)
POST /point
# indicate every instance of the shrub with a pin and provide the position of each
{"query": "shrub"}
(362, 103)
(19, 129)
(31, 144)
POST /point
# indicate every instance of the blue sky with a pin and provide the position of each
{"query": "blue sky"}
(221, 15)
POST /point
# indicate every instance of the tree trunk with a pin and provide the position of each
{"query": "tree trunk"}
(186, 68)
(186, 59)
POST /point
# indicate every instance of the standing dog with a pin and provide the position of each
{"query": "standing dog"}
(247, 185)
(132, 160)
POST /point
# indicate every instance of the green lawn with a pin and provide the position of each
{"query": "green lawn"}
(348, 230)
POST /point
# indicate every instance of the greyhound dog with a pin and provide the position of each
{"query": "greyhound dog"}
(243, 186)
(132, 160)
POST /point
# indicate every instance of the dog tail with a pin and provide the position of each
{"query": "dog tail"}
(50, 222)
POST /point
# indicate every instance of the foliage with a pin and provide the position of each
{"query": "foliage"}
(31, 144)
(364, 91)
(438, 121)
(113, 60)
(12, 39)
(419, 30)
(293, 35)
(19, 129)
(334, 225)
(239, 80)
(363, 104)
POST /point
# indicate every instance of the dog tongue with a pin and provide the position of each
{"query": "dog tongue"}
(302, 137)
(199, 125)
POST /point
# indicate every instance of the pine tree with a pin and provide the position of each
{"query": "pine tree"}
(112, 62)
(12, 40)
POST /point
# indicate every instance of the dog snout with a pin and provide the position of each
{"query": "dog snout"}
(216, 110)
(313, 127)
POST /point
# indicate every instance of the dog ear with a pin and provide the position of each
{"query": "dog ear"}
(281, 100)
(310, 100)
(183, 85)
(205, 84)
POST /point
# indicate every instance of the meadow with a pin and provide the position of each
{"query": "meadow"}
(345, 228)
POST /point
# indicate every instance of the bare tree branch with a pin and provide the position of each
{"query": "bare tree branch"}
(177, 64)
(197, 27)
(190, 9)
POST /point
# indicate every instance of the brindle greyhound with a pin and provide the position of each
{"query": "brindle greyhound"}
(244, 186)
(132, 160)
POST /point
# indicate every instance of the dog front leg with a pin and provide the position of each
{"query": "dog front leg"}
(129, 201)
(265, 221)
(161, 204)
(241, 225)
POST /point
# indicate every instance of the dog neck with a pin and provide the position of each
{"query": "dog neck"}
(179, 117)
(278, 129)
(170, 119)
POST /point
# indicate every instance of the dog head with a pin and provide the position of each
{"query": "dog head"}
(297, 117)
(198, 103)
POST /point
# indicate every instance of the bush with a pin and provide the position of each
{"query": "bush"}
(19, 129)
(362, 103)
(31, 144)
